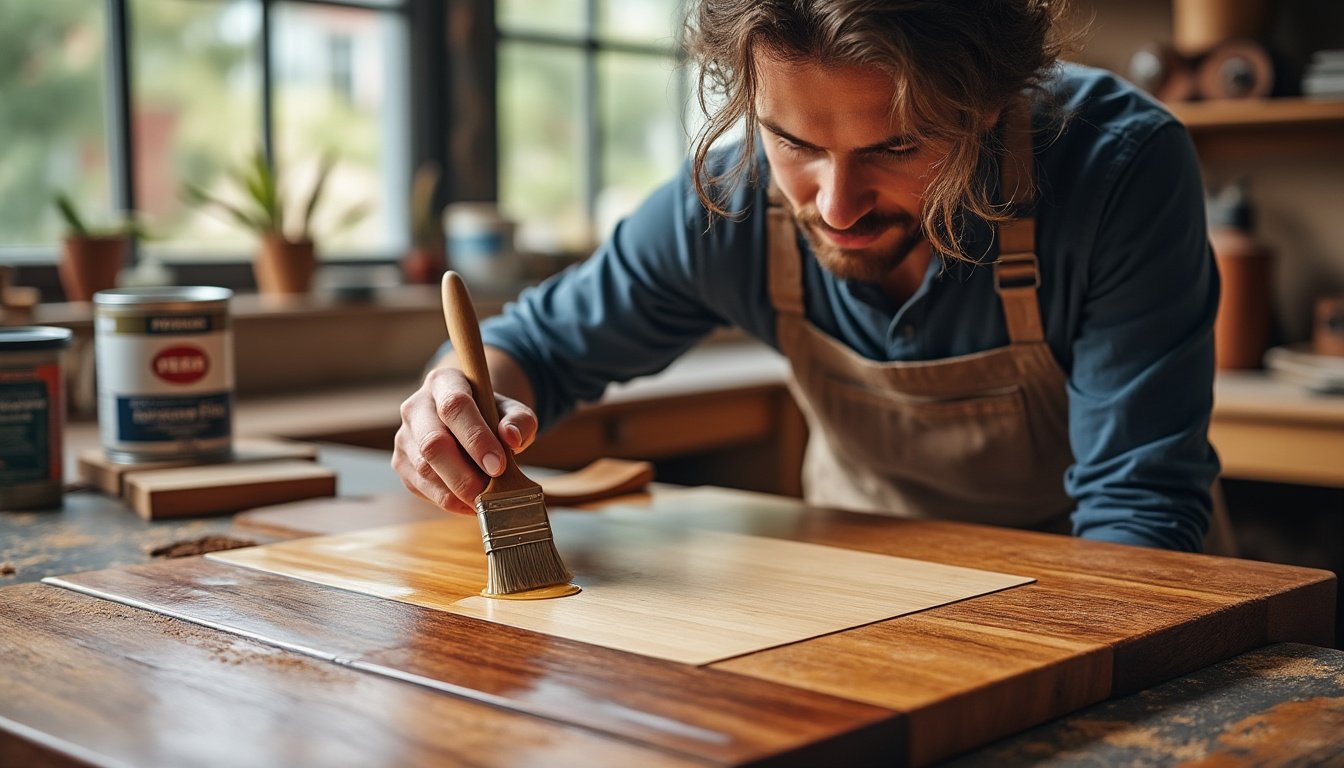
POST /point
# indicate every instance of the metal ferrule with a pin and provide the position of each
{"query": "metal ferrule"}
(513, 521)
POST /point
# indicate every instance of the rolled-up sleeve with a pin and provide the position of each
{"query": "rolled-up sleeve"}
(1141, 384)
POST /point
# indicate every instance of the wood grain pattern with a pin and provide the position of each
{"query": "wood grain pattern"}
(672, 593)
(214, 489)
(1100, 620)
(719, 716)
(89, 681)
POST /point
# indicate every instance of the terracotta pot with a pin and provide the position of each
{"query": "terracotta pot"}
(91, 264)
(424, 265)
(284, 266)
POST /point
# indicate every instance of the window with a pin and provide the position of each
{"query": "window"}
(53, 109)
(118, 103)
(591, 102)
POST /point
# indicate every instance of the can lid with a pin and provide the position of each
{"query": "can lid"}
(34, 337)
(159, 295)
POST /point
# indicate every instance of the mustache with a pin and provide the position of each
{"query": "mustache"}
(872, 223)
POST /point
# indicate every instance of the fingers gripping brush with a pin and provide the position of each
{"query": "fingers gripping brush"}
(521, 558)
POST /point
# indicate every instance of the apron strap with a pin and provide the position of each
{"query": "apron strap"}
(1016, 273)
(785, 265)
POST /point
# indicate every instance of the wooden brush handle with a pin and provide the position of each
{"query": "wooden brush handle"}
(465, 333)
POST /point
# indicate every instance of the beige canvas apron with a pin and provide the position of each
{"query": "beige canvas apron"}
(976, 438)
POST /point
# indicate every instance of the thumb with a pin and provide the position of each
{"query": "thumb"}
(517, 425)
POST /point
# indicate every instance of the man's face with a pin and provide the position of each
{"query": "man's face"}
(855, 184)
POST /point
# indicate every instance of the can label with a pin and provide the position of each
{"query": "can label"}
(165, 384)
(30, 425)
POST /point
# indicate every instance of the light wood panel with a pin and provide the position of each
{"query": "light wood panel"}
(673, 593)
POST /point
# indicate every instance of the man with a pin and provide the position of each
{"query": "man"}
(989, 271)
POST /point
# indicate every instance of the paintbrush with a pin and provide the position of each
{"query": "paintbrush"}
(520, 552)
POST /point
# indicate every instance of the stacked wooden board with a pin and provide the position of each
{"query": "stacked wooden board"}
(260, 472)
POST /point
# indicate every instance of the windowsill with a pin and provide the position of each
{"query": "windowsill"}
(252, 307)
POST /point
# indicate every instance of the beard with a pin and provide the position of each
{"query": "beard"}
(871, 264)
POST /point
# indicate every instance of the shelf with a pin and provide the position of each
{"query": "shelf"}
(1204, 116)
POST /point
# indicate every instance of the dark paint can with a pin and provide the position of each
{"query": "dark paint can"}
(32, 416)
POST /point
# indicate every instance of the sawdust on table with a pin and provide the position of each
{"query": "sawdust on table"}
(200, 546)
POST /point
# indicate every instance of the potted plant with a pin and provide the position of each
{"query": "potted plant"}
(286, 257)
(91, 257)
(425, 261)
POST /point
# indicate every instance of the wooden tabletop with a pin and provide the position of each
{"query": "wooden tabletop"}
(193, 661)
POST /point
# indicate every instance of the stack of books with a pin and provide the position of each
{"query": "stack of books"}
(1324, 78)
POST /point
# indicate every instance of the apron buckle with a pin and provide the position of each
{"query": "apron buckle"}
(1016, 270)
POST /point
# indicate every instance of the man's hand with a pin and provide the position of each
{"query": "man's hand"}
(445, 453)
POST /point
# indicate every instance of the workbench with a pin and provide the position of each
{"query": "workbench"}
(272, 671)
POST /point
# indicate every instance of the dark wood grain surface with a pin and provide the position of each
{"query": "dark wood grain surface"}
(1101, 620)
(91, 681)
(297, 667)
(720, 716)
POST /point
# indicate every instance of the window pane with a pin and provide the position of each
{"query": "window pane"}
(541, 180)
(655, 22)
(340, 86)
(52, 117)
(642, 138)
(196, 111)
(693, 117)
(555, 17)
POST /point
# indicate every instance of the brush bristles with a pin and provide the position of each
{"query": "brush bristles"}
(530, 566)
(520, 553)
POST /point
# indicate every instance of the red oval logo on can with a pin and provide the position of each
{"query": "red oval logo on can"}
(181, 364)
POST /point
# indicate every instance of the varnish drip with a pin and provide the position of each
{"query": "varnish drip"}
(541, 593)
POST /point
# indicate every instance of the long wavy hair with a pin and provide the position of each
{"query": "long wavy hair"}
(952, 64)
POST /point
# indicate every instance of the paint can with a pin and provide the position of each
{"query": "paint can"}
(165, 373)
(32, 416)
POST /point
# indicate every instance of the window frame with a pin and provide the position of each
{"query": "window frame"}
(429, 71)
(452, 52)
(591, 45)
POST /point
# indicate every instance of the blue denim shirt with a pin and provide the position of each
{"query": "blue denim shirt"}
(1128, 295)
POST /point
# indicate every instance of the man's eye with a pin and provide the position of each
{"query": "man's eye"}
(902, 150)
(789, 146)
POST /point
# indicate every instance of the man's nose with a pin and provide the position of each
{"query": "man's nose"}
(843, 194)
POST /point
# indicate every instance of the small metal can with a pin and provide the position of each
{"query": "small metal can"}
(165, 373)
(32, 416)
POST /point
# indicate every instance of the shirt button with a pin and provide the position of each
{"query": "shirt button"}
(908, 331)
